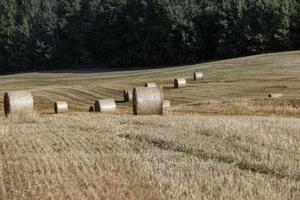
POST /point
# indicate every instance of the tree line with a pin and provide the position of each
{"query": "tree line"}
(66, 34)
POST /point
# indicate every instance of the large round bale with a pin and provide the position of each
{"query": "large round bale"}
(147, 101)
(166, 104)
(127, 95)
(275, 95)
(60, 107)
(180, 82)
(150, 85)
(17, 101)
(105, 105)
(198, 76)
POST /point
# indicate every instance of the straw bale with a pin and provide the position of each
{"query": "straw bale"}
(60, 107)
(17, 101)
(147, 101)
(180, 82)
(105, 105)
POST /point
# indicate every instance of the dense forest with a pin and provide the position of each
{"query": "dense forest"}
(39, 35)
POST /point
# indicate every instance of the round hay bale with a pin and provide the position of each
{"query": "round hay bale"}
(147, 101)
(60, 107)
(91, 109)
(180, 82)
(127, 95)
(105, 105)
(150, 85)
(167, 104)
(198, 76)
(275, 95)
(17, 101)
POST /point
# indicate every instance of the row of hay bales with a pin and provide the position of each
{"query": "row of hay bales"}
(145, 101)
(148, 100)
(181, 82)
(22, 101)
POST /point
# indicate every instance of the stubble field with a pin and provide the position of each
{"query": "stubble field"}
(222, 138)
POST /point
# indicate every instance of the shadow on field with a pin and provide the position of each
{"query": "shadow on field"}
(121, 101)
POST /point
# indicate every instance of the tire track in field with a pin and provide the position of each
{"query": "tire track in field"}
(36, 173)
(77, 143)
(2, 183)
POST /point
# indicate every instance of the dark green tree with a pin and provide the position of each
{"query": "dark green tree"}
(7, 33)
(38, 35)
(295, 27)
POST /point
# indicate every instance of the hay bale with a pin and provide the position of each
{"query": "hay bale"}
(127, 95)
(180, 82)
(60, 107)
(275, 95)
(91, 109)
(17, 101)
(150, 85)
(147, 101)
(198, 76)
(166, 104)
(105, 105)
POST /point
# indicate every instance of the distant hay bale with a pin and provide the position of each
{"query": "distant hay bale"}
(147, 101)
(60, 107)
(91, 109)
(198, 76)
(275, 95)
(150, 85)
(105, 105)
(17, 101)
(127, 95)
(180, 82)
(166, 104)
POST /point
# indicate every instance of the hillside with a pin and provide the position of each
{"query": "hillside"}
(237, 85)
(222, 138)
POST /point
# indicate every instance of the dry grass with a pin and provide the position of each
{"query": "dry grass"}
(256, 107)
(84, 156)
(221, 139)
(236, 81)
(24, 117)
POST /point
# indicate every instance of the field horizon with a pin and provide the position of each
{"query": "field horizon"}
(222, 138)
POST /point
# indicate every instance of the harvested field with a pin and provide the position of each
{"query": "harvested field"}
(88, 156)
(222, 138)
(236, 81)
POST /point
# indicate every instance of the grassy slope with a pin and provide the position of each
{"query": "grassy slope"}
(238, 85)
(192, 152)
